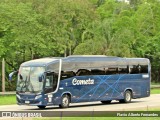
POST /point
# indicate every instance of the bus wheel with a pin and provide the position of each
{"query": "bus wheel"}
(65, 101)
(127, 97)
(106, 102)
(41, 107)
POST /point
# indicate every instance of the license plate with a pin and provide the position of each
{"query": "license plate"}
(27, 102)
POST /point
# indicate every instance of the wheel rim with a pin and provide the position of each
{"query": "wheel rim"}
(128, 96)
(65, 101)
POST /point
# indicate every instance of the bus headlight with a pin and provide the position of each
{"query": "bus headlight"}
(18, 97)
(38, 96)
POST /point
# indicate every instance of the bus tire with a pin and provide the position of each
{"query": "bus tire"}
(127, 97)
(41, 107)
(106, 102)
(65, 101)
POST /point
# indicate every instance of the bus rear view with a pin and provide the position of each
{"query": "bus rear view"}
(61, 81)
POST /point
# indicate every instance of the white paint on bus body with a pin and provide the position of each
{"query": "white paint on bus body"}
(83, 82)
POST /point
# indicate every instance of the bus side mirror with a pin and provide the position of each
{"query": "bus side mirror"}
(11, 74)
(40, 78)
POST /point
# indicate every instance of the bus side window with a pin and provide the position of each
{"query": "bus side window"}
(135, 69)
(67, 74)
(144, 69)
(82, 72)
(111, 71)
(97, 72)
(49, 81)
(123, 70)
(55, 80)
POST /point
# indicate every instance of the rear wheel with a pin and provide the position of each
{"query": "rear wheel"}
(41, 107)
(106, 102)
(65, 101)
(127, 97)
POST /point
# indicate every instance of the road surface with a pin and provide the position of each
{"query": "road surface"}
(137, 104)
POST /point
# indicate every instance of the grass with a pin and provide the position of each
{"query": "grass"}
(154, 109)
(7, 99)
(155, 91)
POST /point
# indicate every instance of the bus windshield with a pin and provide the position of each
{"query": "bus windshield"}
(28, 79)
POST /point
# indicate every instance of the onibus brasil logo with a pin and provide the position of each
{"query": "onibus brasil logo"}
(82, 82)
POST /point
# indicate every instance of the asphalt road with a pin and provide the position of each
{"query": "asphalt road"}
(137, 104)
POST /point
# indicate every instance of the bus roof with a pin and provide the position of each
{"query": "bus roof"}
(40, 62)
(74, 59)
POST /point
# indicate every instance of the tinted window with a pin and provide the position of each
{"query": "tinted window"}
(51, 82)
(134, 69)
(67, 74)
(98, 72)
(144, 69)
(123, 69)
(82, 72)
(112, 70)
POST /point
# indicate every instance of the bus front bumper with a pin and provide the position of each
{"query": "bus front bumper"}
(31, 101)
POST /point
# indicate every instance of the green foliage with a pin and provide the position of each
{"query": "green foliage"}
(155, 91)
(31, 29)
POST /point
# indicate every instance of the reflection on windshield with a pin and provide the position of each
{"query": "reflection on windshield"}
(28, 79)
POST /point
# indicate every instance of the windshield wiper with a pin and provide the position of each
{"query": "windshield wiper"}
(24, 85)
(31, 85)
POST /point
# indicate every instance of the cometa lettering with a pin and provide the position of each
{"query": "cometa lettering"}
(82, 82)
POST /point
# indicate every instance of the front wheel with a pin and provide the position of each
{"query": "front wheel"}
(65, 101)
(127, 97)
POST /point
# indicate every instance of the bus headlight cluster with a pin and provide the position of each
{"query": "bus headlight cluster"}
(38, 96)
(18, 97)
